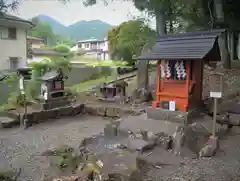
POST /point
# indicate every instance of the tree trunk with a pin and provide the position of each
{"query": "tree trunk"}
(160, 23)
(142, 72)
(231, 45)
(218, 8)
(222, 41)
(170, 26)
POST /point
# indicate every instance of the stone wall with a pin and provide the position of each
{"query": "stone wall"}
(231, 86)
(231, 81)
(44, 115)
(110, 111)
(67, 111)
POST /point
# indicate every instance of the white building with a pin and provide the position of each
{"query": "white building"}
(40, 54)
(35, 42)
(13, 41)
(94, 48)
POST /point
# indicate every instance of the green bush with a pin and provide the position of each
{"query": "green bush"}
(62, 48)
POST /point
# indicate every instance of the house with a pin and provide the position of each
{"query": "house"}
(35, 42)
(13, 41)
(39, 54)
(94, 48)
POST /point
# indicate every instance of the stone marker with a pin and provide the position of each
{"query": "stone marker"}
(110, 130)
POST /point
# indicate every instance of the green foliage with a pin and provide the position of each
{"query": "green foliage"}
(44, 30)
(11, 79)
(66, 40)
(6, 5)
(127, 40)
(106, 72)
(32, 87)
(62, 48)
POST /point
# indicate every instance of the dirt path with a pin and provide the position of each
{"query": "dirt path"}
(22, 148)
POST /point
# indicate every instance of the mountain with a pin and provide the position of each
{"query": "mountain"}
(57, 27)
(80, 30)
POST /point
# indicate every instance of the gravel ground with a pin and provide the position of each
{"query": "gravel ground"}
(22, 148)
(225, 166)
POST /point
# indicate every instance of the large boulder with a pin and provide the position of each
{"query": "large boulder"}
(190, 139)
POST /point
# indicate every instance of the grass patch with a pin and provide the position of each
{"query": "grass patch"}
(86, 85)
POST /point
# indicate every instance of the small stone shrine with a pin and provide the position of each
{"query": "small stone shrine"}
(114, 92)
(52, 90)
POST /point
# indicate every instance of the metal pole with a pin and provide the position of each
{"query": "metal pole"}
(214, 117)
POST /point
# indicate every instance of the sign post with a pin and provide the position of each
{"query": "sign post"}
(216, 91)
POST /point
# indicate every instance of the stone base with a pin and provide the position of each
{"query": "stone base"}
(52, 104)
(42, 116)
(109, 111)
(172, 116)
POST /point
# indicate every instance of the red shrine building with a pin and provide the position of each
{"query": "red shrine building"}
(180, 66)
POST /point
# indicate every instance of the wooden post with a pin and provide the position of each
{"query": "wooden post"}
(214, 117)
(216, 91)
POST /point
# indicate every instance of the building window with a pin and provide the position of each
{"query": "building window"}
(87, 45)
(14, 63)
(8, 33)
(12, 33)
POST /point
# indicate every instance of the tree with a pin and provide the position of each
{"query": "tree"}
(62, 48)
(43, 30)
(127, 40)
(5, 5)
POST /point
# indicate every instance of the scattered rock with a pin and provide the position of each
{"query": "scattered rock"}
(178, 140)
(139, 145)
(7, 122)
(189, 140)
(9, 175)
(207, 151)
(110, 130)
(210, 148)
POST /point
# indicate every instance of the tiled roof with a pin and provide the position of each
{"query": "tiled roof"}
(40, 51)
(34, 38)
(194, 45)
(6, 16)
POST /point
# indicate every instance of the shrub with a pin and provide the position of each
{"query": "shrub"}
(62, 48)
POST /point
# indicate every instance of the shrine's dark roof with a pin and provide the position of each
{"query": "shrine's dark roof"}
(51, 75)
(193, 45)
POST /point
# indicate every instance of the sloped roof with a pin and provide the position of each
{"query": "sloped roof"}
(194, 45)
(51, 75)
(34, 38)
(45, 52)
(5, 16)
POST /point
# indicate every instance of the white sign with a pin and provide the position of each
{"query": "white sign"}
(216, 94)
(172, 106)
(21, 83)
(45, 96)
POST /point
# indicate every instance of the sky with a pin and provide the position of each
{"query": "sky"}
(114, 14)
